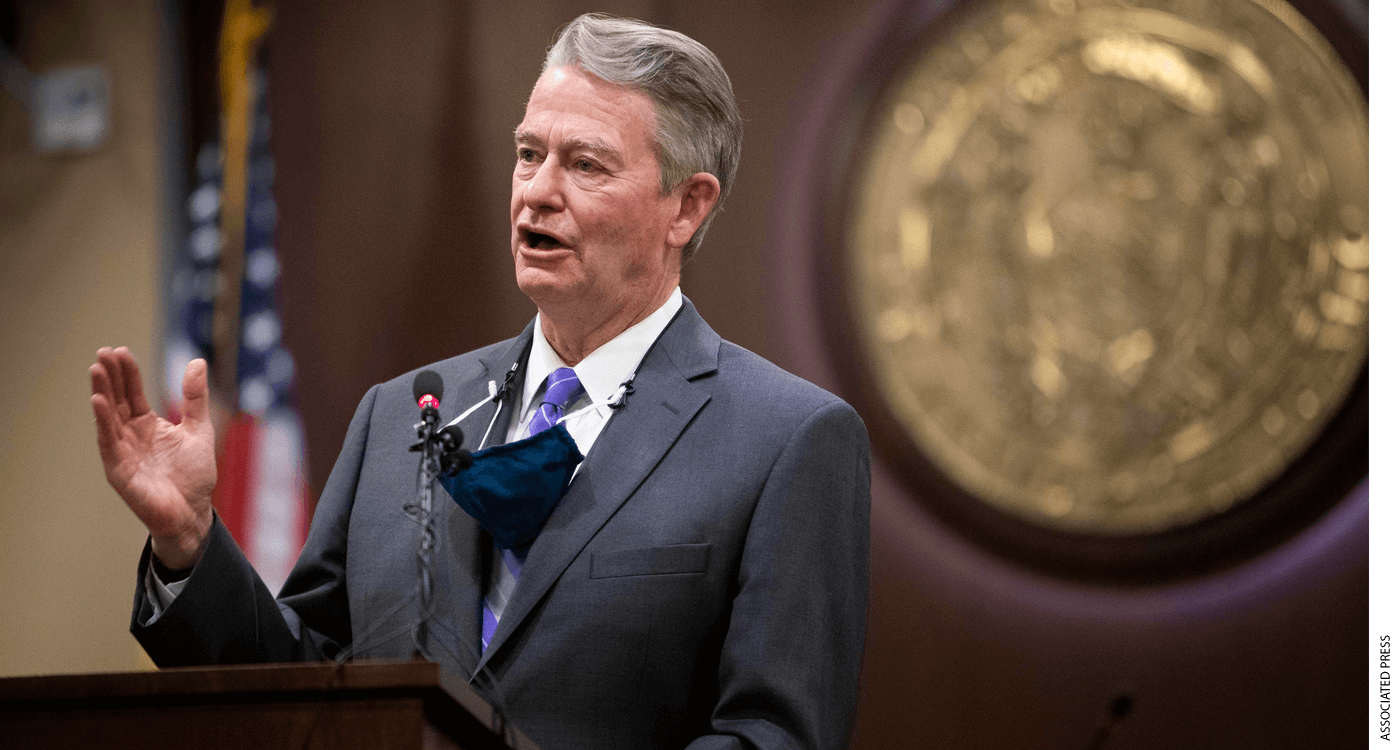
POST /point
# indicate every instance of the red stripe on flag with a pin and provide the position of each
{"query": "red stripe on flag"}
(233, 494)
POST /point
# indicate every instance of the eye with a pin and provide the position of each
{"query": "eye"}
(587, 165)
(527, 155)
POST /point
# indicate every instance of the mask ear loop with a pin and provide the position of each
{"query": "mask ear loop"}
(493, 394)
(487, 434)
(624, 392)
(582, 412)
(616, 401)
(499, 396)
(490, 386)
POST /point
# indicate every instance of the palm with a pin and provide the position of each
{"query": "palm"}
(164, 471)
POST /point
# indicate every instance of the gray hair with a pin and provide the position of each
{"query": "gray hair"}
(697, 120)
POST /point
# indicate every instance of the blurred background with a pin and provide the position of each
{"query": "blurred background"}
(379, 160)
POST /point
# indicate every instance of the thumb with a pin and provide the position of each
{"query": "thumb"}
(196, 391)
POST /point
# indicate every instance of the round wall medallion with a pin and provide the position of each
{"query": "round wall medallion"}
(1105, 267)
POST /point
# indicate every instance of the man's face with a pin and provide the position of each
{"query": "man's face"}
(588, 218)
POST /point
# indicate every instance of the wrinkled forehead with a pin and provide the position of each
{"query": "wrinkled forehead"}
(588, 107)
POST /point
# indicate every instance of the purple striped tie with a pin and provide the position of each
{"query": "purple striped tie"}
(561, 388)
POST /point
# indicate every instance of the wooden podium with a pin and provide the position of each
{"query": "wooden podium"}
(359, 705)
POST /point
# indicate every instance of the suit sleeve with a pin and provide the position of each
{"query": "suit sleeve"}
(226, 615)
(790, 660)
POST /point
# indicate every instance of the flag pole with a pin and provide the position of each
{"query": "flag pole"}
(242, 27)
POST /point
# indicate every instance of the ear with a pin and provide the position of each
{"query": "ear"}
(698, 194)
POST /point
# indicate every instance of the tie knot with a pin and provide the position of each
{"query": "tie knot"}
(561, 388)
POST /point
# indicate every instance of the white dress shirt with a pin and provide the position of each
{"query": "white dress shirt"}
(601, 373)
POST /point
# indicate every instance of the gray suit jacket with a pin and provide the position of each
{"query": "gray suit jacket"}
(702, 583)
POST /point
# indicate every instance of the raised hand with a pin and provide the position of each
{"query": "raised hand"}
(165, 472)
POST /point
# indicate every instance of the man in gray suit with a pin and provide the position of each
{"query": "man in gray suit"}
(703, 580)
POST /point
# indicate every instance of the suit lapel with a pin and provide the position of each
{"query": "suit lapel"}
(634, 440)
(473, 387)
(465, 561)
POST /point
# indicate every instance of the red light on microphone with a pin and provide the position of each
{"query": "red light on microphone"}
(427, 387)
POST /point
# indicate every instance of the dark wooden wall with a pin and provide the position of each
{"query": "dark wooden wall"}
(392, 126)
(391, 130)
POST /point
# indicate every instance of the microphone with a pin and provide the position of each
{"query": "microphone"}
(444, 444)
(427, 389)
(452, 437)
(454, 456)
(427, 392)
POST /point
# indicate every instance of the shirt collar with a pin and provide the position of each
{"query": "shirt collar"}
(606, 367)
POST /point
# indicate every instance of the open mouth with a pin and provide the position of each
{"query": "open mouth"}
(541, 241)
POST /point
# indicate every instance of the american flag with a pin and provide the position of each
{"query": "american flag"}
(261, 495)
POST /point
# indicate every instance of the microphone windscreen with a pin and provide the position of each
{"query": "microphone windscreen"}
(427, 383)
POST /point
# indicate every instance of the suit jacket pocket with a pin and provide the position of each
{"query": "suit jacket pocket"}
(648, 561)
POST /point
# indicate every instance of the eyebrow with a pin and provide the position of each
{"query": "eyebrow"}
(573, 144)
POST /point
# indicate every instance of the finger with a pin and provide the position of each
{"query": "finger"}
(108, 358)
(100, 384)
(196, 391)
(107, 435)
(131, 374)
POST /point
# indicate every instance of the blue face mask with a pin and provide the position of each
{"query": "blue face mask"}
(511, 489)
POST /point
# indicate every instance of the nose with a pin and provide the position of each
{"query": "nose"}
(543, 190)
